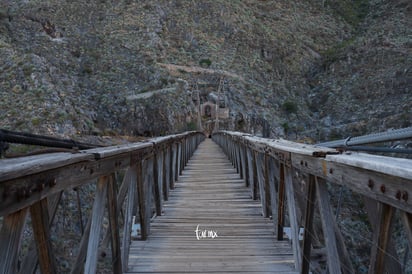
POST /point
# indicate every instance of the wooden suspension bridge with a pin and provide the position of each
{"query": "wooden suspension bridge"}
(206, 215)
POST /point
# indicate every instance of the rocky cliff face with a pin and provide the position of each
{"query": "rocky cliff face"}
(320, 69)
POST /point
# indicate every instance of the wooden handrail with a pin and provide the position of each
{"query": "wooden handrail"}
(269, 166)
(32, 184)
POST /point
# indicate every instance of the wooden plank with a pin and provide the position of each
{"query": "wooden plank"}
(407, 224)
(273, 169)
(307, 237)
(294, 225)
(81, 255)
(96, 225)
(131, 194)
(106, 152)
(40, 223)
(244, 241)
(381, 238)
(25, 191)
(328, 225)
(112, 204)
(392, 264)
(391, 190)
(23, 166)
(144, 191)
(30, 261)
(157, 184)
(10, 239)
(281, 202)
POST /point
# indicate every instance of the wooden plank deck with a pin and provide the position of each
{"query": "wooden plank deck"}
(211, 196)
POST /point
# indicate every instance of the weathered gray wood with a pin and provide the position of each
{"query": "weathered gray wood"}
(106, 152)
(272, 169)
(96, 225)
(347, 267)
(81, 255)
(40, 222)
(294, 225)
(373, 184)
(10, 239)
(249, 160)
(262, 181)
(266, 187)
(205, 196)
(392, 264)
(167, 174)
(131, 194)
(22, 166)
(407, 224)
(328, 225)
(145, 196)
(158, 181)
(307, 238)
(112, 205)
(381, 238)
(30, 261)
(175, 169)
(281, 202)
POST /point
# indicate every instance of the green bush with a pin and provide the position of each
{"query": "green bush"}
(290, 107)
(205, 63)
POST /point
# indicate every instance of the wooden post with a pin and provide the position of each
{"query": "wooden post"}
(328, 225)
(381, 238)
(246, 166)
(131, 194)
(307, 238)
(281, 201)
(96, 225)
(168, 162)
(114, 225)
(10, 239)
(158, 183)
(179, 160)
(173, 167)
(273, 169)
(266, 186)
(30, 261)
(40, 223)
(260, 165)
(165, 172)
(255, 182)
(145, 195)
(294, 225)
(407, 224)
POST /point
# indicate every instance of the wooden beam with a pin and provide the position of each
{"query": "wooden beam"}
(113, 209)
(40, 223)
(310, 212)
(381, 239)
(30, 261)
(281, 202)
(294, 225)
(96, 225)
(158, 184)
(273, 190)
(260, 176)
(266, 187)
(384, 188)
(328, 225)
(145, 196)
(392, 264)
(407, 224)
(10, 239)
(131, 194)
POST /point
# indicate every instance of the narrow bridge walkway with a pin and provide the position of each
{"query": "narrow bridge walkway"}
(232, 236)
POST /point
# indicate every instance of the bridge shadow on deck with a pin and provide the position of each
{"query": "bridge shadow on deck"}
(211, 198)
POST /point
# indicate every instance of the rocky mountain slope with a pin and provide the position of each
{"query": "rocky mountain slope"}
(320, 69)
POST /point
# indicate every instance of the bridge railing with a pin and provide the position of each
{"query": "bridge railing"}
(280, 172)
(33, 186)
